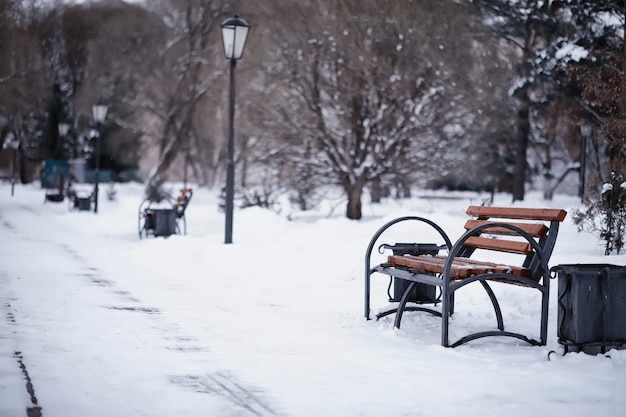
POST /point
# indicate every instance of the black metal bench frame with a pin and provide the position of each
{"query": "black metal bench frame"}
(148, 213)
(535, 241)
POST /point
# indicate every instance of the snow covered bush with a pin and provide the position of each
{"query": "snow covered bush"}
(606, 217)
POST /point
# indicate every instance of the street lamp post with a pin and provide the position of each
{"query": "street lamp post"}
(99, 112)
(63, 128)
(14, 144)
(234, 35)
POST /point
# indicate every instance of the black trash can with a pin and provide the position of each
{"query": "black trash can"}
(164, 222)
(591, 307)
(421, 293)
(82, 203)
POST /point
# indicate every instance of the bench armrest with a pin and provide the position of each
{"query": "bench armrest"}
(374, 239)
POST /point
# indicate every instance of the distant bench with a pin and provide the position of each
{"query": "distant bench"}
(528, 232)
(164, 221)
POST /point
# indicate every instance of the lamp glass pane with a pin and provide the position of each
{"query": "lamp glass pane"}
(241, 34)
(63, 128)
(99, 112)
(228, 37)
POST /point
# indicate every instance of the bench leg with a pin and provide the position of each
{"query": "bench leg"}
(402, 307)
(496, 305)
(448, 310)
(545, 297)
(402, 304)
(447, 305)
(451, 304)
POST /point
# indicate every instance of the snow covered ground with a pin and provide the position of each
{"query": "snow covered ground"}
(105, 324)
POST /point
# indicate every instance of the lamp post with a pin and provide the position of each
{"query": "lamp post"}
(99, 112)
(234, 35)
(63, 129)
(14, 144)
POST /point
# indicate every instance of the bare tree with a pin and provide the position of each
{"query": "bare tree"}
(21, 82)
(368, 89)
(175, 97)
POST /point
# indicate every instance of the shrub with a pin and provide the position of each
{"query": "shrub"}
(606, 217)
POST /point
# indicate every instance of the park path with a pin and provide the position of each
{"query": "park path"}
(75, 339)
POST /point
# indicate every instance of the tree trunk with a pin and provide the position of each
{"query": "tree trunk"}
(168, 154)
(548, 178)
(27, 169)
(354, 191)
(523, 127)
(523, 118)
(406, 187)
(548, 188)
(376, 190)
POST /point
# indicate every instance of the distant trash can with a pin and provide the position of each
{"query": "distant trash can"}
(55, 197)
(82, 203)
(164, 222)
(591, 307)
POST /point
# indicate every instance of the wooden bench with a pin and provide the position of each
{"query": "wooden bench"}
(164, 221)
(528, 232)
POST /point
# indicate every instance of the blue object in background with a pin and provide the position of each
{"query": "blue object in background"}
(54, 173)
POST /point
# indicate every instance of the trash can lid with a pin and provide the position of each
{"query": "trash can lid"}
(586, 268)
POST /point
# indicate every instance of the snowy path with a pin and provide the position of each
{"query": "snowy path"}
(77, 328)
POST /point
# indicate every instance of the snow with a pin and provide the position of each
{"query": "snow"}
(606, 187)
(108, 324)
(571, 52)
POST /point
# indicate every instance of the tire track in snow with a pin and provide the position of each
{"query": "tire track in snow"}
(34, 409)
(225, 385)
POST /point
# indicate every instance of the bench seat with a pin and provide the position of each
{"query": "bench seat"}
(461, 267)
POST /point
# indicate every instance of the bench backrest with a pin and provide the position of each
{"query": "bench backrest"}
(541, 224)
(183, 200)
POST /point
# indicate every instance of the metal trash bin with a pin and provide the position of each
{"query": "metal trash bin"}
(55, 197)
(591, 307)
(421, 293)
(82, 203)
(164, 222)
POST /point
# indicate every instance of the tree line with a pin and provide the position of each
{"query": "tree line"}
(375, 97)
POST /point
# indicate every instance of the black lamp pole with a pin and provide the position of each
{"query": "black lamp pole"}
(14, 144)
(13, 172)
(230, 164)
(97, 176)
(234, 35)
(99, 114)
(63, 128)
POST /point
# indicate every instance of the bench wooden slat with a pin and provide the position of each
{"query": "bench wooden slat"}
(502, 245)
(517, 213)
(430, 264)
(534, 229)
(461, 267)
(515, 270)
